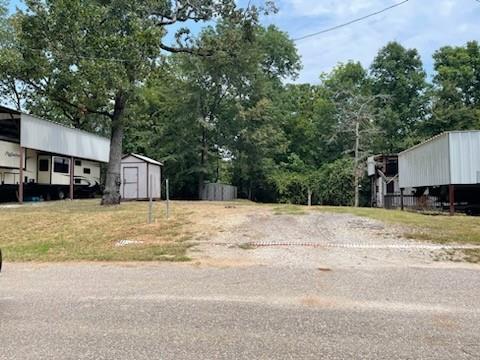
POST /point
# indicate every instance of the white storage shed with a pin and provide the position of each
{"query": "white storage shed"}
(140, 175)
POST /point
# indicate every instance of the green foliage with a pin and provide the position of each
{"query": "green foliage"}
(456, 95)
(398, 73)
(336, 183)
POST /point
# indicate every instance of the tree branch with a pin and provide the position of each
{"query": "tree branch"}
(188, 50)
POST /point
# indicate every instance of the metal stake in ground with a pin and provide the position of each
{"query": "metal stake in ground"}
(167, 197)
(150, 201)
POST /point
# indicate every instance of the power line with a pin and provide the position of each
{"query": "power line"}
(353, 21)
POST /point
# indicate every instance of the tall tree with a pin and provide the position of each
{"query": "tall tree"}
(92, 55)
(357, 113)
(398, 72)
(211, 101)
(456, 95)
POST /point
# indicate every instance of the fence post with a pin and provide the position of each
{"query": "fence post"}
(150, 201)
(167, 195)
(402, 206)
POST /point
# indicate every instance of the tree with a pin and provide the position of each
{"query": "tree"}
(93, 55)
(456, 94)
(398, 73)
(197, 116)
(357, 113)
(11, 91)
(295, 181)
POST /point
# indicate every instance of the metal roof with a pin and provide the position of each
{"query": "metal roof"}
(144, 158)
(45, 135)
(452, 157)
(436, 138)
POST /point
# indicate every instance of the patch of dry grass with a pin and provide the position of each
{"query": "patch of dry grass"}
(83, 230)
(289, 209)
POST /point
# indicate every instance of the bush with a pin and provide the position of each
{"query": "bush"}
(335, 183)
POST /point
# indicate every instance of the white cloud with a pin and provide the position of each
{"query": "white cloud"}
(423, 24)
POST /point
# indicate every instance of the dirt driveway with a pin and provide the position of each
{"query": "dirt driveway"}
(245, 236)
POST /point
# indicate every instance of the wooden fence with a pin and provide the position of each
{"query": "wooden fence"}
(218, 192)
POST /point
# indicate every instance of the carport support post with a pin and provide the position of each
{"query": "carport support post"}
(451, 198)
(20, 181)
(72, 169)
(402, 205)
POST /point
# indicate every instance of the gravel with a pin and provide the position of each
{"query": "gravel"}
(305, 241)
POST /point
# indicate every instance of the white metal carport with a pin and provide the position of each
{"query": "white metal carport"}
(450, 159)
(31, 133)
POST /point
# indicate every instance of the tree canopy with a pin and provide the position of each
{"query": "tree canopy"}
(221, 104)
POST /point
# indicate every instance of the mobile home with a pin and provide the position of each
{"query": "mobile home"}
(40, 158)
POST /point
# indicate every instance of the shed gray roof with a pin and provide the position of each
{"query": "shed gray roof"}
(144, 158)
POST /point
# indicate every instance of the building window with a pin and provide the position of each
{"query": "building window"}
(61, 165)
(78, 181)
(43, 165)
(86, 170)
(78, 162)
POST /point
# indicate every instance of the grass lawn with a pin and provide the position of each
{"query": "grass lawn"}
(83, 230)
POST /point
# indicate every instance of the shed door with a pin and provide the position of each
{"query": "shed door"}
(130, 182)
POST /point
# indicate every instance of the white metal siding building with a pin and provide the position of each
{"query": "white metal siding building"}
(139, 174)
(451, 158)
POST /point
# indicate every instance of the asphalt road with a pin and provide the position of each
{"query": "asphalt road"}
(172, 311)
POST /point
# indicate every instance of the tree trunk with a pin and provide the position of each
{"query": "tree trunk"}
(111, 194)
(355, 165)
(309, 192)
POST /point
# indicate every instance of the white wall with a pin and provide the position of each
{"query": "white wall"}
(155, 175)
(46, 136)
(427, 164)
(465, 157)
(10, 158)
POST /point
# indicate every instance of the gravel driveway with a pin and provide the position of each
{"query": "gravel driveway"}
(315, 240)
(321, 286)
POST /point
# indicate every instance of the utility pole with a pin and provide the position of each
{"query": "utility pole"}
(357, 157)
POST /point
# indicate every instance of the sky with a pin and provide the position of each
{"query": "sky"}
(425, 25)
